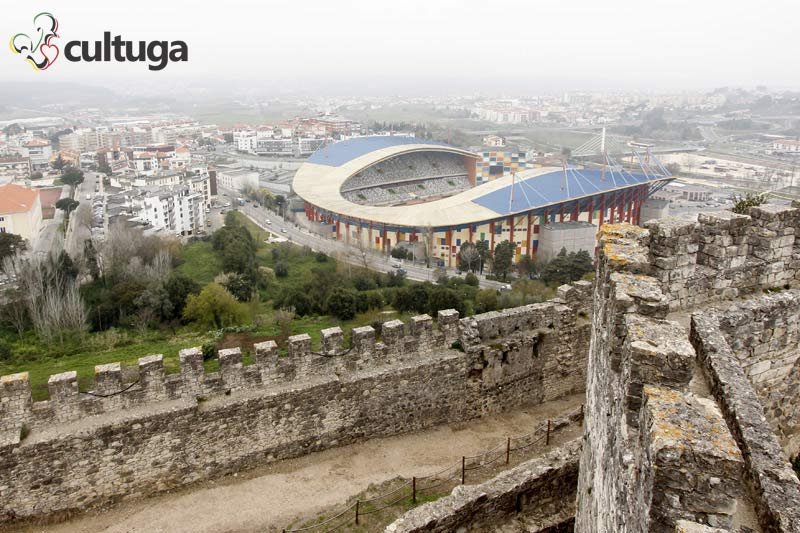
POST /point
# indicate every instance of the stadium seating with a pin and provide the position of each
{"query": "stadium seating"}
(408, 190)
(407, 167)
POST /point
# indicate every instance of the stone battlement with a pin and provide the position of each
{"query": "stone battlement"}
(724, 255)
(399, 342)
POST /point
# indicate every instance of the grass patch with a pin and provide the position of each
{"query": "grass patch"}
(200, 262)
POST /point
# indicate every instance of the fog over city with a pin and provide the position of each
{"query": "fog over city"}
(422, 47)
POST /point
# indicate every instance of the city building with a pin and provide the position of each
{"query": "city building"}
(494, 141)
(237, 178)
(786, 145)
(20, 212)
(178, 210)
(14, 168)
(39, 152)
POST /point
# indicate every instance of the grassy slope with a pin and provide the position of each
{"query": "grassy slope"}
(127, 346)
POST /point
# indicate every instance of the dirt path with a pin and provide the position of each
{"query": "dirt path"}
(272, 496)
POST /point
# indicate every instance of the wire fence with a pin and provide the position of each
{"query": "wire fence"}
(410, 490)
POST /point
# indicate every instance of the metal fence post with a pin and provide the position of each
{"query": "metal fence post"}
(358, 502)
(508, 449)
(463, 468)
(414, 489)
(547, 439)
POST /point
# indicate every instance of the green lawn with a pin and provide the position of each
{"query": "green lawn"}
(200, 262)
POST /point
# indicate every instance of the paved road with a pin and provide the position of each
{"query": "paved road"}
(337, 249)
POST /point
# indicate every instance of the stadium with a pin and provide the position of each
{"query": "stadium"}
(378, 192)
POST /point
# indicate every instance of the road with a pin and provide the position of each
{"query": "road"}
(337, 249)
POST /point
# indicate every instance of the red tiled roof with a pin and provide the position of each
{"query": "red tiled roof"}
(16, 199)
(36, 142)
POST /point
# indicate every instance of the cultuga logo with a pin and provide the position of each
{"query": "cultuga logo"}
(41, 53)
(37, 50)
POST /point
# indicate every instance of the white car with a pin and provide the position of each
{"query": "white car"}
(284, 230)
(268, 221)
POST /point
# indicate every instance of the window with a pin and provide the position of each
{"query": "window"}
(2, 219)
(2, 230)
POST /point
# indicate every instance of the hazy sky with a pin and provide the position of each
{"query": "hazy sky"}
(446, 45)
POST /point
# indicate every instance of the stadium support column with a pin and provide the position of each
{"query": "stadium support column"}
(528, 237)
(347, 232)
(491, 232)
(561, 213)
(591, 210)
(612, 206)
(449, 242)
(621, 207)
(602, 217)
(576, 212)
(338, 230)
(511, 228)
(470, 233)
(629, 197)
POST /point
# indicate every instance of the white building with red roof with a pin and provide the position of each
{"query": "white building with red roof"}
(39, 151)
(20, 212)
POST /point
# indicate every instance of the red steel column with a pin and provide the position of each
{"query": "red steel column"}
(511, 228)
(528, 236)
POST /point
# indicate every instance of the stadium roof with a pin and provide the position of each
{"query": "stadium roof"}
(343, 151)
(320, 178)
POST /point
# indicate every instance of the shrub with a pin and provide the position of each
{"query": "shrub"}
(342, 304)
(281, 269)
(471, 279)
(742, 204)
(5, 351)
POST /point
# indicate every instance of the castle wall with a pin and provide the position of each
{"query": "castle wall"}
(165, 431)
(773, 485)
(541, 489)
(764, 337)
(724, 255)
(654, 453)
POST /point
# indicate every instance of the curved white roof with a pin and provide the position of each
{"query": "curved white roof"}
(319, 181)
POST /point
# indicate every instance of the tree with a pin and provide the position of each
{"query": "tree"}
(67, 205)
(483, 252)
(503, 256)
(280, 201)
(471, 280)
(59, 163)
(567, 267)
(214, 307)
(179, 287)
(342, 303)
(72, 176)
(10, 244)
(36, 175)
(104, 168)
(469, 257)
(444, 298)
(486, 300)
(281, 269)
(526, 267)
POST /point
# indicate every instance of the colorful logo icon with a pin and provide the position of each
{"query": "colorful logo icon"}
(38, 49)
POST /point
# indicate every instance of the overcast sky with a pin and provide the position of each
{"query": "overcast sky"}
(446, 45)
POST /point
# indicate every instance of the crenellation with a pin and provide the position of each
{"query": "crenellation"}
(363, 342)
(231, 368)
(15, 403)
(192, 371)
(152, 380)
(421, 328)
(447, 319)
(333, 341)
(64, 397)
(393, 337)
(107, 378)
